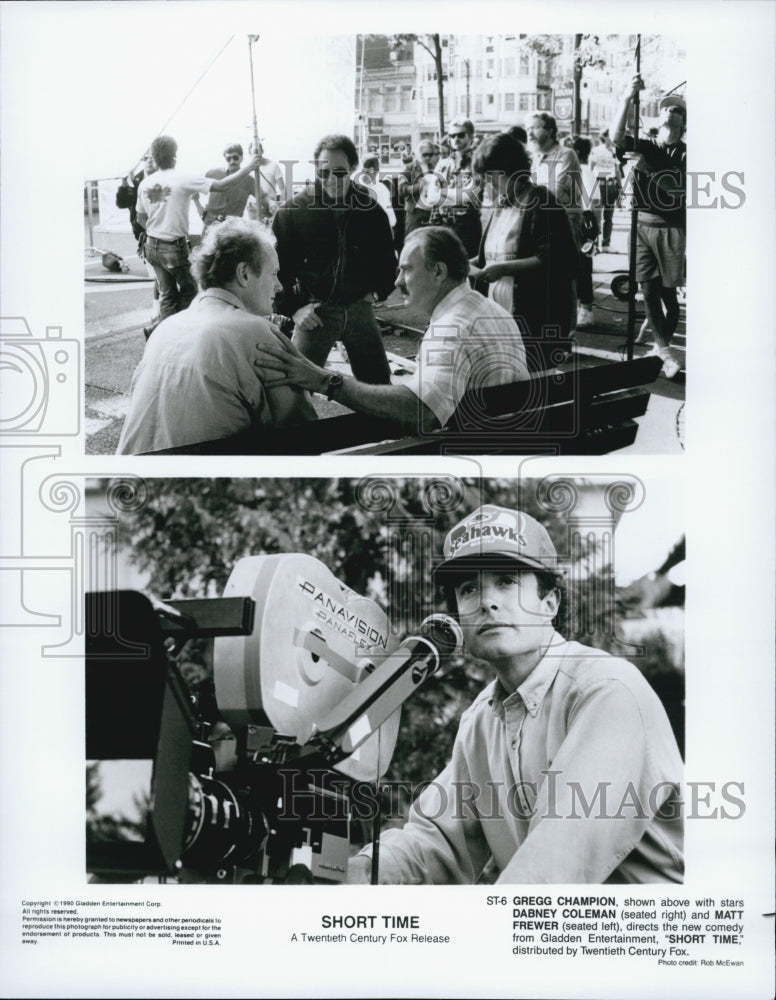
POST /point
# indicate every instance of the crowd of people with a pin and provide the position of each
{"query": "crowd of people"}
(492, 242)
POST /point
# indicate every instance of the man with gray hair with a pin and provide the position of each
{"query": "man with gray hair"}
(471, 342)
(197, 380)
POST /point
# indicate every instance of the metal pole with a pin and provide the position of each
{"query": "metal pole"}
(256, 181)
(634, 223)
(361, 122)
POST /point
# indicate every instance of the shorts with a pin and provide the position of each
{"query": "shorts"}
(660, 254)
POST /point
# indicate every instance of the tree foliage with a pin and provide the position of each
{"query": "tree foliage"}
(380, 536)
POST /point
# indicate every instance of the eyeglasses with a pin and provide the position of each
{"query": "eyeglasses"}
(457, 135)
(325, 173)
(232, 156)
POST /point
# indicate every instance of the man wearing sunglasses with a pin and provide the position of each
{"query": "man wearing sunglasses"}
(459, 206)
(231, 200)
(336, 255)
(565, 769)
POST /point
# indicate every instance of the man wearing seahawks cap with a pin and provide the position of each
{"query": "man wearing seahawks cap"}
(565, 769)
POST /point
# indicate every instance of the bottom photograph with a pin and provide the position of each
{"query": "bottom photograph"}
(385, 680)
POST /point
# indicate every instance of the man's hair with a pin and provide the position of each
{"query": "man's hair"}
(164, 149)
(501, 153)
(517, 132)
(371, 163)
(234, 147)
(337, 142)
(426, 144)
(227, 244)
(582, 147)
(463, 123)
(549, 122)
(440, 245)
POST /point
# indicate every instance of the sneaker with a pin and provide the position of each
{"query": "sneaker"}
(671, 366)
(584, 317)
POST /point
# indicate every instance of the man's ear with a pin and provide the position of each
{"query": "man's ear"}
(551, 602)
(440, 270)
(241, 272)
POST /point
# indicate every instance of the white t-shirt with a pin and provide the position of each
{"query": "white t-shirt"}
(165, 197)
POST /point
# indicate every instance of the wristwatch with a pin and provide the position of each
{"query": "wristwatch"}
(334, 385)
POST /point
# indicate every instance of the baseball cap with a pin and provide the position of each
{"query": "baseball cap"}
(673, 101)
(497, 533)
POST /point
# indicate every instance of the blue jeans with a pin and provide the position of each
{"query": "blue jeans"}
(170, 261)
(356, 327)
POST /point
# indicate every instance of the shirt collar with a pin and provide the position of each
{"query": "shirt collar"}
(534, 688)
(223, 296)
(452, 297)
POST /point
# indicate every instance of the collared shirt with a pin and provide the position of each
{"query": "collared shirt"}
(574, 778)
(197, 382)
(165, 197)
(471, 342)
(558, 169)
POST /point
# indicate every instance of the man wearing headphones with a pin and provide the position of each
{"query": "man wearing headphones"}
(565, 768)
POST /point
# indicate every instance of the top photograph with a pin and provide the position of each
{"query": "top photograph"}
(392, 244)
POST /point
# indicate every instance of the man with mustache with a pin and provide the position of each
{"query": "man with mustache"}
(565, 768)
(470, 342)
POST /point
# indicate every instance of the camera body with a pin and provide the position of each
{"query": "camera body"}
(260, 779)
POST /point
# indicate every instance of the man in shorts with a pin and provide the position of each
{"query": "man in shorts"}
(658, 187)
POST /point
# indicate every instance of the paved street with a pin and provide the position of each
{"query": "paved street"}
(118, 306)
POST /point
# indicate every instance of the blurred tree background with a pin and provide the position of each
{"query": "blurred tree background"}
(380, 536)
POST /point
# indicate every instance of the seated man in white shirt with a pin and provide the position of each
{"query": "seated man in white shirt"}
(197, 381)
(471, 342)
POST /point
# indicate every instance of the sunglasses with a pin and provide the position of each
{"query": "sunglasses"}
(458, 135)
(231, 157)
(325, 173)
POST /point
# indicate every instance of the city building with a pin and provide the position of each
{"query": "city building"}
(501, 80)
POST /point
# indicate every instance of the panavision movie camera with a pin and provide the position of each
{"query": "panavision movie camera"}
(259, 784)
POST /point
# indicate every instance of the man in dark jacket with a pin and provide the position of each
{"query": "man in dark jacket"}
(336, 256)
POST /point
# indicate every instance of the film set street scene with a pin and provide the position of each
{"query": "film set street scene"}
(462, 243)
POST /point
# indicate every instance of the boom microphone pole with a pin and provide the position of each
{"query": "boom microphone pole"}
(256, 181)
(634, 223)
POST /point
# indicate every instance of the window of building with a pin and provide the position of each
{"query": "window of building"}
(374, 100)
(478, 104)
(432, 105)
(509, 102)
(543, 100)
(489, 99)
(527, 102)
(391, 99)
(524, 64)
(478, 67)
(508, 66)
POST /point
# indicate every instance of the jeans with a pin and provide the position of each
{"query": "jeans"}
(356, 327)
(170, 261)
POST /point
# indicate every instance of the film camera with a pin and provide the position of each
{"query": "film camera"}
(257, 783)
